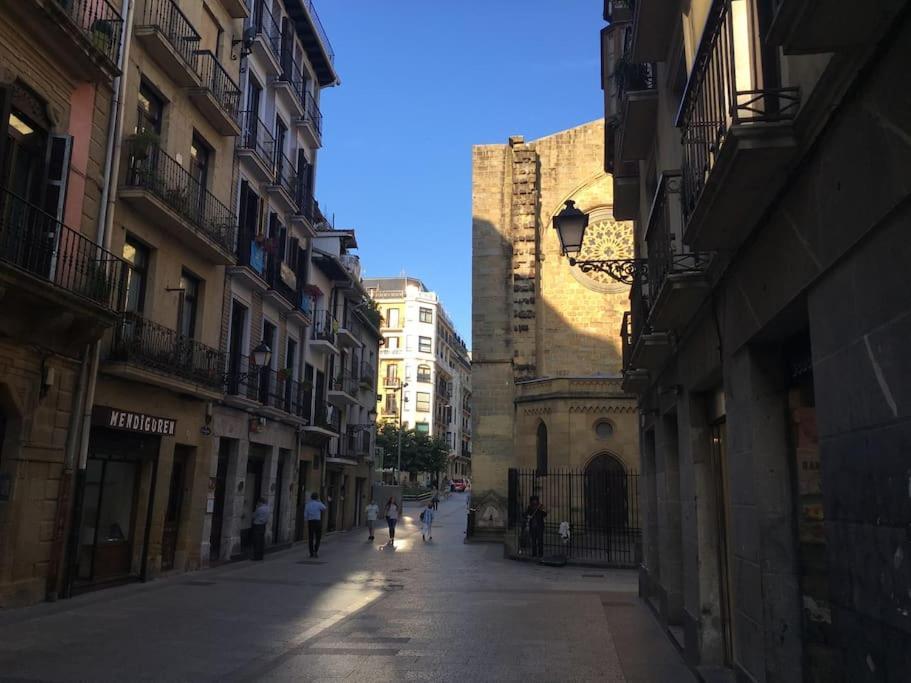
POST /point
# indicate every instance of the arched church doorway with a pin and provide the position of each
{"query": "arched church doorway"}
(606, 493)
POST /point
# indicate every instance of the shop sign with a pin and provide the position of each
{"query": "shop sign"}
(129, 421)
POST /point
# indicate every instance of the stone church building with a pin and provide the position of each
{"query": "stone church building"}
(546, 349)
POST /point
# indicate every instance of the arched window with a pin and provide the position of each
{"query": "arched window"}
(542, 448)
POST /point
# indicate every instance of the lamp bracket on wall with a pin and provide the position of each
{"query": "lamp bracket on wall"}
(621, 270)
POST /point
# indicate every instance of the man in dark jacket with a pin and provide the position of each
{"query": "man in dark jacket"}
(534, 517)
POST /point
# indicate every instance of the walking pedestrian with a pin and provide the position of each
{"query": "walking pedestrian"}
(373, 511)
(261, 516)
(534, 516)
(435, 501)
(427, 522)
(313, 513)
(392, 517)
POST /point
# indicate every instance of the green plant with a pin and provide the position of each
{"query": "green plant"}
(143, 142)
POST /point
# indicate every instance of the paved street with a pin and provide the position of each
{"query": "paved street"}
(362, 612)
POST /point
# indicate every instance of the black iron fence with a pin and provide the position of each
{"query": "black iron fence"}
(256, 137)
(149, 345)
(166, 16)
(99, 21)
(37, 243)
(713, 103)
(219, 82)
(589, 515)
(164, 177)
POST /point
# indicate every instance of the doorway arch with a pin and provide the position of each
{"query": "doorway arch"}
(606, 493)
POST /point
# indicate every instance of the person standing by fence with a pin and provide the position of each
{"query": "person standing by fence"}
(534, 518)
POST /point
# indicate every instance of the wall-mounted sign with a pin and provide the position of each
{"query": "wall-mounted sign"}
(128, 421)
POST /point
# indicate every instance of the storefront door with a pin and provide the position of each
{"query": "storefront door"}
(303, 469)
(218, 511)
(252, 492)
(333, 500)
(277, 508)
(172, 515)
(112, 521)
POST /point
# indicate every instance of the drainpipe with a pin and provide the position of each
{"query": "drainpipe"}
(102, 237)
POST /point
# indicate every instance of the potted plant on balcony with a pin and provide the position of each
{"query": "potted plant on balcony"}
(143, 142)
(285, 373)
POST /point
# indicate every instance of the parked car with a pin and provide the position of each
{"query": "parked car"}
(459, 486)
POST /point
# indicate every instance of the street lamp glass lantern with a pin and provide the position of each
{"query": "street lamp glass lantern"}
(262, 355)
(570, 225)
(372, 415)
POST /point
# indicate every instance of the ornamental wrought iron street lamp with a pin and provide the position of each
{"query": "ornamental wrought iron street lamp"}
(262, 355)
(570, 225)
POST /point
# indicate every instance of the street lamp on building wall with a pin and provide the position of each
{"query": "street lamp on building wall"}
(570, 225)
(262, 355)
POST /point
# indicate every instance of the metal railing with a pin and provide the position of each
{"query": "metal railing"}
(167, 17)
(219, 82)
(600, 505)
(250, 252)
(312, 113)
(633, 76)
(99, 22)
(256, 137)
(285, 174)
(242, 377)
(280, 391)
(275, 276)
(327, 416)
(392, 382)
(712, 103)
(367, 374)
(37, 243)
(347, 383)
(314, 17)
(164, 177)
(325, 326)
(262, 21)
(666, 252)
(293, 75)
(149, 345)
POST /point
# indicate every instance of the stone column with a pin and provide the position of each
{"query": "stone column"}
(667, 485)
(234, 498)
(768, 615)
(209, 450)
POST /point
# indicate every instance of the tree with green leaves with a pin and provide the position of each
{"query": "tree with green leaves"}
(421, 452)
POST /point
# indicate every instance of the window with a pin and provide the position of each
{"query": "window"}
(424, 373)
(189, 304)
(137, 255)
(392, 317)
(423, 402)
(391, 406)
(426, 315)
(392, 371)
(151, 109)
(424, 345)
(392, 343)
(200, 161)
(422, 428)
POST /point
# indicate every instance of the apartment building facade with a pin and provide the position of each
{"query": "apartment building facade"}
(761, 149)
(60, 288)
(422, 366)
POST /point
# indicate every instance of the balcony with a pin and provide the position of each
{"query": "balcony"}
(268, 37)
(649, 349)
(291, 83)
(326, 422)
(676, 274)
(737, 140)
(242, 383)
(314, 39)
(653, 26)
(345, 451)
(282, 280)
(251, 262)
(237, 9)
(618, 11)
(303, 311)
(635, 381)
(348, 332)
(165, 193)
(343, 390)
(256, 147)
(281, 396)
(813, 27)
(81, 35)
(324, 332)
(55, 284)
(283, 188)
(625, 178)
(170, 39)
(311, 121)
(367, 375)
(637, 97)
(218, 96)
(144, 351)
(392, 382)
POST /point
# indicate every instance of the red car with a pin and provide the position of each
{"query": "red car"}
(459, 486)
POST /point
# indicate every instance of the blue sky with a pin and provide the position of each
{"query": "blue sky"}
(423, 81)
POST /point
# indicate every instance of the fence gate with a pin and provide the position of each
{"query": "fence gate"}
(601, 507)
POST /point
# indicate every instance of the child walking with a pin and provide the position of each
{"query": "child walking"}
(427, 522)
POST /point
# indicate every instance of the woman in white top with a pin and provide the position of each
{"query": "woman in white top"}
(392, 517)
(373, 511)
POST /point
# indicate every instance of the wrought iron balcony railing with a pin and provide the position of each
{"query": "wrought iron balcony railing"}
(666, 252)
(714, 102)
(632, 76)
(293, 74)
(325, 326)
(242, 378)
(155, 347)
(166, 16)
(312, 113)
(250, 252)
(327, 416)
(311, 10)
(277, 389)
(164, 177)
(99, 22)
(37, 243)
(347, 383)
(367, 374)
(392, 382)
(285, 174)
(262, 21)
(256, 137)
(219, 82)
(634, 323)
(282, 278)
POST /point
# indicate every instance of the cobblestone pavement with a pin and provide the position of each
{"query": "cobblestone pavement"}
(364, 611)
